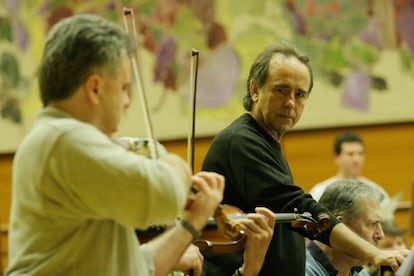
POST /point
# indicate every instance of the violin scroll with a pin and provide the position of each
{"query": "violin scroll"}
(302, 222)
(222, 235)
(231, 229)
(306, 223)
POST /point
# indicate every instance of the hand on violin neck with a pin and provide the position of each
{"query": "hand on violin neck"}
(258, 228)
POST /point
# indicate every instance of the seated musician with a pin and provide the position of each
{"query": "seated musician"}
(393, 239)
(357, 205)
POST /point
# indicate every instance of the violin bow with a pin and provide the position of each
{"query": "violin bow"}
(192, 101)
(191, 133)
(231, 230)
(130, 28)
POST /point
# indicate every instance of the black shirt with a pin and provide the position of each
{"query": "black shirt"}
(257, 174)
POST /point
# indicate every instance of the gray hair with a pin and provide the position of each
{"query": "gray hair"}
(342, 197)
(260, 67)
(75, 48)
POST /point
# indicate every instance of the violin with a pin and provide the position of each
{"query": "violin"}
(223, 234)
(217, 238)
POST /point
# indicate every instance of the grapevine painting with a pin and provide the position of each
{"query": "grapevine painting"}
(362, 52)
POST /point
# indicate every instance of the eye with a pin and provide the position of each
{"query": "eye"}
(282, 89)
(374, 224)
(301, 94)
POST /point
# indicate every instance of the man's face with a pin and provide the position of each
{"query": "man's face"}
(368, 222)
(278, 105)
(115, 98)
(351, 159)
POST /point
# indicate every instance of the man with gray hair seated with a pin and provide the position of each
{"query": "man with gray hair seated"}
(357, 205)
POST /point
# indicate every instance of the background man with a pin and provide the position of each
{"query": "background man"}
(349, 151)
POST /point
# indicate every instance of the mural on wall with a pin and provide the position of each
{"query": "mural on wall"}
(362, 53)
(348, 42)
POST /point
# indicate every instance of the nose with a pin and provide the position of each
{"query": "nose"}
(290, 99)
(379, 233)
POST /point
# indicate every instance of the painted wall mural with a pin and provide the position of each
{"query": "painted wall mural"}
(362, 52)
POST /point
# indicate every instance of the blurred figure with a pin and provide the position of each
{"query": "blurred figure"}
(349, 151)
(77, 195)
(393, 236)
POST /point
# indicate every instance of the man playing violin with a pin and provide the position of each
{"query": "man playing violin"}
(78, 195)
(248, 154)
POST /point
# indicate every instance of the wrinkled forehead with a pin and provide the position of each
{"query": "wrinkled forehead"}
(289, 67)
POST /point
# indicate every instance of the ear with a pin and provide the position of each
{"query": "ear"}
(254, 90)
(92, 88)
(337, 159)
(340, 218)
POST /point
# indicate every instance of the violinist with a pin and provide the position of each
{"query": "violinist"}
(77, 195)
(248, 154)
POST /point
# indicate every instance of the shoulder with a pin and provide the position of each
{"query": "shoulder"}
(242, 132)
(370, 182)
(55, 122)
(320, 187)
(240, 126)
(54, 128)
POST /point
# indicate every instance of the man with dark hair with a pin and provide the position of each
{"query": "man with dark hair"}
(349, 151)
(248, 154)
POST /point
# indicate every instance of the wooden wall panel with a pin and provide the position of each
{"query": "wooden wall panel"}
(389, 156)
(5, 194)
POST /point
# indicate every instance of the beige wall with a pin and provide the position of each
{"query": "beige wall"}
(390, 153)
